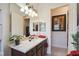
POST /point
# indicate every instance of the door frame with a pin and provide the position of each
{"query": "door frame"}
(67, 25)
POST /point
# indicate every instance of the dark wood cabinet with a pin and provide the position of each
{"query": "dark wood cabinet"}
(16, 53)
(39, 50)
(31, 52)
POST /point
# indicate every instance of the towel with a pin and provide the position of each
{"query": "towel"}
(46, 45)
(42, 36)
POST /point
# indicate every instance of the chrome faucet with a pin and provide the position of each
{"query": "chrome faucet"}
(30, 38)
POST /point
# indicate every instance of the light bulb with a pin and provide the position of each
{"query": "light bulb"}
(22, 9)
(29, 14)
(26, 7)
(33, 12)
(30, 10)
(32, 15)
(36, 14)
(26, 12)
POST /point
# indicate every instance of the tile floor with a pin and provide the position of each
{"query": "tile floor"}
(56, 51)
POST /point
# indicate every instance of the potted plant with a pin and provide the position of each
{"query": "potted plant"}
(76, 40)
(76, 45)
(15, 39)
(74, 53)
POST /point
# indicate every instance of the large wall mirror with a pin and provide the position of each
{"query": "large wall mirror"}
(19, 24)
(42, 26)
(39, 26)
(35, 26)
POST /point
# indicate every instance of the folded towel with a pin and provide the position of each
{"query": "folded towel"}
(74, 53)
(33, 35)
(46, 45)
(42, 36)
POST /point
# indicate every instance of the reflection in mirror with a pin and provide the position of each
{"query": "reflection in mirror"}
(42, 26)
(19, 25)
(26, 27)
(35, 26)
(39, 26)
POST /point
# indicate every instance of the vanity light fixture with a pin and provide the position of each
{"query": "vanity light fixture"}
(29, 10)
(26, 12)
(22, 10)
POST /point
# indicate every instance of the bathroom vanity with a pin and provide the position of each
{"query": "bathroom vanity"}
(35, 47)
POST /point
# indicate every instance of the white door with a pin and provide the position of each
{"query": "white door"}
(60, 38)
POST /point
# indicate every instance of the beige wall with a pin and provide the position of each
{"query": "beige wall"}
(6, 28)
(72, 24)
(15, 8)
(59, 10)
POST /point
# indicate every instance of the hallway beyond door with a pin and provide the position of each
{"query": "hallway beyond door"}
(56, 51)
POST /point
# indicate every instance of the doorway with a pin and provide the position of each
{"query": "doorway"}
(59, 37)
(1, 32)
(26, 27)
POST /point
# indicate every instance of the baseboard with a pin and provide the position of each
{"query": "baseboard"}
(48, 54)
(58, 46)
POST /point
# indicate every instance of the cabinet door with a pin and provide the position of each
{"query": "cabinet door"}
(16, 53)
(45, 48)
(39, 50)
(31, 52)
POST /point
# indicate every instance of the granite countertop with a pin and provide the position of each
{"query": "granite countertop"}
(27, 45)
